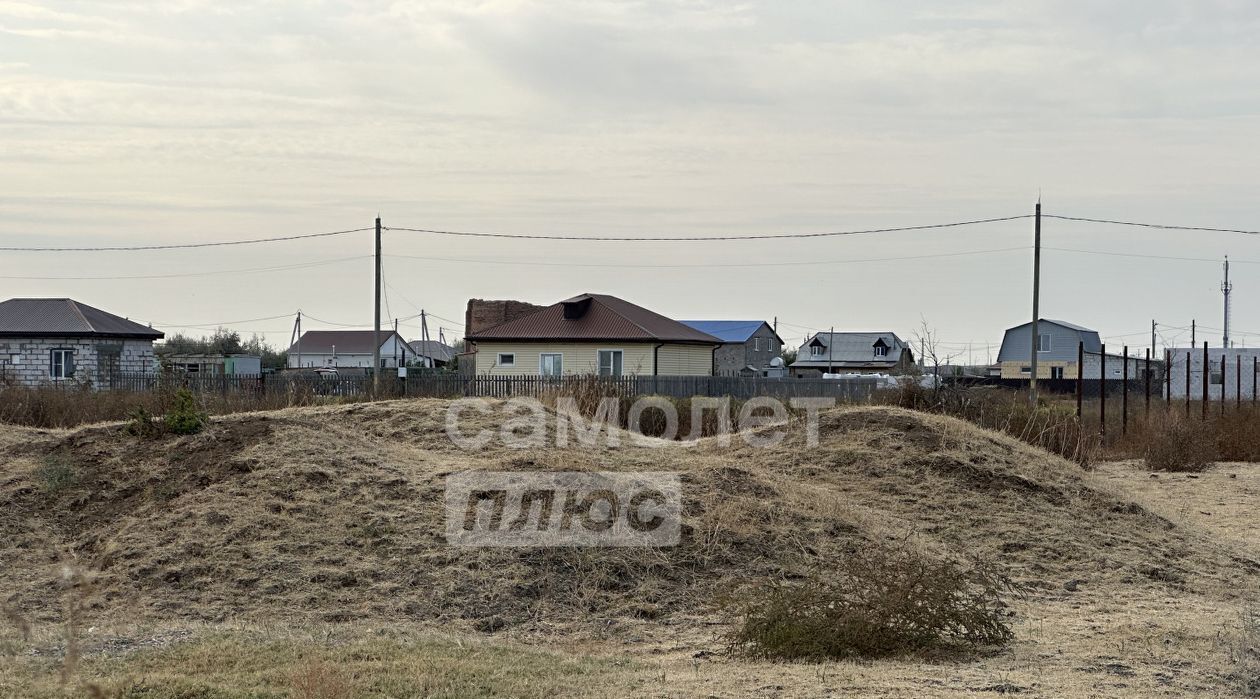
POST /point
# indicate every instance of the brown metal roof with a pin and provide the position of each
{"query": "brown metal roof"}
(592, 317)
(66, 318)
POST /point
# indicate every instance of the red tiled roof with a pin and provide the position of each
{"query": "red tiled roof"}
(594, 317)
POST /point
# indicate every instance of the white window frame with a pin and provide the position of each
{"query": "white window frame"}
(1047, 344)
(881, 350)
(560, 366)
(613, 369)
(756, 344)
(499, 359)
(58, 372)
(815, 350)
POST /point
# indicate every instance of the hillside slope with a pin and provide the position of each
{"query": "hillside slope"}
(335, 514)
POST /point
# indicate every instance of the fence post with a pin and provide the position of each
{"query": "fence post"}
(1207, 377)
(1189, 371)
(1102, 384)
(1124, 393)
(1167, 378)
(1080, 380)
(1147, 374)
(1255, 367)
(1224, 383)
(1238, 380)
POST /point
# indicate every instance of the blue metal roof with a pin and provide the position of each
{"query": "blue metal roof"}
(726, 330)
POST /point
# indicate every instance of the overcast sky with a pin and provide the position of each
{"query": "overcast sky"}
(182, 121)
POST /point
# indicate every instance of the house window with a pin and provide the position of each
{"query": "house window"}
(1025, 370)
(1056, 372)
(610, 362)
(507, 359)
(881, 351)
(1043, 342)
(815, 350)
(756, 344)
(551, 364)
(61, 363)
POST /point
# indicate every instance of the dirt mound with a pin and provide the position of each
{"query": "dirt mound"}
(336, 514)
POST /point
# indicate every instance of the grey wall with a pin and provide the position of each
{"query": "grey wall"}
(1063, 343)
(732, 357)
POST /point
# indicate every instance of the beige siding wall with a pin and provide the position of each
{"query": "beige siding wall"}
(578, 358)
(685, 360)
(1014, 370)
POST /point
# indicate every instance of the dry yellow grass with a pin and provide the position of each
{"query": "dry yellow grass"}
(235, 542)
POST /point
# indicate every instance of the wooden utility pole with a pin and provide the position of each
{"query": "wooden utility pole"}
(1036, 309)
(297, 337)
(376, 325)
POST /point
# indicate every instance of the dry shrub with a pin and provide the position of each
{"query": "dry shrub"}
(1174, 442)
(1238, 434)
(319, 680)
(881, 602)
(1244, 653)
(1052, 426)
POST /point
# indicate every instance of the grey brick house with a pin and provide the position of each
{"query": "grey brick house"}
(747, 345)
(54, 340)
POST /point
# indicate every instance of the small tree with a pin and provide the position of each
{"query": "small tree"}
(185, 417)
(930, 352)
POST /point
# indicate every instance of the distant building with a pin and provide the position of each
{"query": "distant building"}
(747, 346)
(347, 349)
(1225, 368)
(852, 353)
(593, 334)
(1058, 347)
(212, 364)
(431, 353)
(59, 339)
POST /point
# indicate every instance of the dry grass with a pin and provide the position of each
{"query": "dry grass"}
(332, 515)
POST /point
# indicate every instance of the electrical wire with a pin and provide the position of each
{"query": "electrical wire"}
(710, 265)
(251, 270)
(663, 239)
(185, 246)
(1163, 226)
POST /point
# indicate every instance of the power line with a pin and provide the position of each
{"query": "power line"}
(663, 239)
(278, 268)
(224, 323)
(1150, 257)
(184, 246)
(1164, 226)
(710, 265)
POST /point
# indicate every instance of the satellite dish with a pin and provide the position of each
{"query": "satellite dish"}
(776, 362)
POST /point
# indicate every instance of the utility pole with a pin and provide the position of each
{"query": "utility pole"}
(1152, 337)
(297, 335)
(427, 362)
(1032, 379)
(1193, 341)
(1226, 288)
(397, 349)
(376, 325)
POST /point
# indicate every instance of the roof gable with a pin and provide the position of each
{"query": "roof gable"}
(729, 330)
(594, 317)
(66, 317)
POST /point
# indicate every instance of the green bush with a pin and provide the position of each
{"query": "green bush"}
(881, 602)
(140, 423)
(184, 416)
(56, 474)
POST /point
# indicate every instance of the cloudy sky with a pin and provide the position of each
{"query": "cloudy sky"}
(134, 123)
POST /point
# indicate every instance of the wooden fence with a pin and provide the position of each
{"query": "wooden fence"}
(447, 385)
